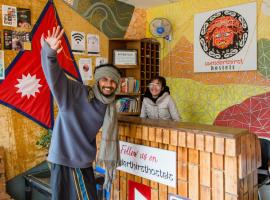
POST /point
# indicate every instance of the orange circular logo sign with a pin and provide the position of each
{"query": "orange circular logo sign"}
(223, 34)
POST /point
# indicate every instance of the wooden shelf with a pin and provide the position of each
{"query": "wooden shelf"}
(127, 66)
(150, 51)
(148, 63)
(133, 102)
(128, 113)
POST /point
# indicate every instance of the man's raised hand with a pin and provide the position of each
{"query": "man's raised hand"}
(53, 39)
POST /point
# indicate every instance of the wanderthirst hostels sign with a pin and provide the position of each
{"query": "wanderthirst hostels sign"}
(226, 39)
(152, 163)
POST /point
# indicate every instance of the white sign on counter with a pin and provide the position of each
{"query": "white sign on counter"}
(152, 163)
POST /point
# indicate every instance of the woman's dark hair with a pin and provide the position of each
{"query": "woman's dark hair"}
(160, 79)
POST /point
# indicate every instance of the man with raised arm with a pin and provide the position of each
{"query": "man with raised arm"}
(82, 111)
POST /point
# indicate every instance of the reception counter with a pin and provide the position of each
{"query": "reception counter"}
(211, 162)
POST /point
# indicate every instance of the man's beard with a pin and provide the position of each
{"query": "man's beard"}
(107, 95)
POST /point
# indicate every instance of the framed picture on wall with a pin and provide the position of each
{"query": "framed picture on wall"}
(24, 17)
(125, 57)
(93, 47)
(9, 15)
(85, 67)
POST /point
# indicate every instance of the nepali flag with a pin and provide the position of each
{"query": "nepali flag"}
(25, 88)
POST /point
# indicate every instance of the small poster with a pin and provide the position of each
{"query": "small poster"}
(16, 40)
(9, 15)
(2, 67)
(19, 39)
(8, 39)
(24, 17)
(77, 42)
(101, 61)
(93, 44)
(85, 66)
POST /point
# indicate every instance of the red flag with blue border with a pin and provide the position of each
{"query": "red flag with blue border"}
(25, 88)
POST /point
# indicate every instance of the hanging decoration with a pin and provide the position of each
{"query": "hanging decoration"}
(25, 88)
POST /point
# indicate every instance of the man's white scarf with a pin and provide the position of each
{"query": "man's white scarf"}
(109, 154)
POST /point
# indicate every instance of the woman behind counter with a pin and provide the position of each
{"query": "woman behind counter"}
(157, 102)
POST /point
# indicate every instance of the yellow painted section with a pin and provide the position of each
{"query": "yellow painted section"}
(201, 103)
(137, 25)
(181, 16)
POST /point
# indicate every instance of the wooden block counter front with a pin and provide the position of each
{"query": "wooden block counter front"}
(213, 163)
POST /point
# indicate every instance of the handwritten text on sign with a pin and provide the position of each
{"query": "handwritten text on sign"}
(152, 163)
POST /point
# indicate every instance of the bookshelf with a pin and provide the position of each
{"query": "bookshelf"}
(150, 61)
(147, 66)
(128, 96)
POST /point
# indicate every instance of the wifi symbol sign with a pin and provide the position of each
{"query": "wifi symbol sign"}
(78, 41)
(78, 37)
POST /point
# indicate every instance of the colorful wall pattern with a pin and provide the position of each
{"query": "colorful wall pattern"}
(201, 97)
(137, 25)
(109, 16)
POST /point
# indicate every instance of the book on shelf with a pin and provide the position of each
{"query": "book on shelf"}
(127, 104)
(129, 85)
(124, 85)
(130, 82)
(137, 86)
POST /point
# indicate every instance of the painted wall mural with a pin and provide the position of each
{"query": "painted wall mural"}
(137, 26)
(252, 114)
(202, 97)
(201, 103)
(109, 16)
(264, 57)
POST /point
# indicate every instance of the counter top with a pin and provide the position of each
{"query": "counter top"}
(226, 132)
